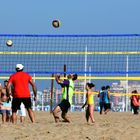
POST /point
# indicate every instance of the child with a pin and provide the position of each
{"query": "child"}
(135, 102)
(89, 102)
(22, 113)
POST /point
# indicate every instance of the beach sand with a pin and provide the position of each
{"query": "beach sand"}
(113, 126)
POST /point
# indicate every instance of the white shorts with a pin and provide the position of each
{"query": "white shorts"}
(22, 111)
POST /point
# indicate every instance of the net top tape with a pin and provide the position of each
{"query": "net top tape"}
(70, 35)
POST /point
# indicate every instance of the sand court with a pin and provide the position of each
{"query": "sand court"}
(113, 126)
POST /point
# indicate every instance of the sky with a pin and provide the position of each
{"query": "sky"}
(76, 16)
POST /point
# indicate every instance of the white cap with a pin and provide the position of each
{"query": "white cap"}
(19, 66)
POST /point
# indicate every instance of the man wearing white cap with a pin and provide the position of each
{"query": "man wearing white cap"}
(21, 94)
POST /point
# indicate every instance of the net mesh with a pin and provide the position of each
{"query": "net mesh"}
(104, 54)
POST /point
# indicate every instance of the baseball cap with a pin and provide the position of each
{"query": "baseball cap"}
(19, 66)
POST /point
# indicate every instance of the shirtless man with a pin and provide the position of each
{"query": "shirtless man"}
(5, 104)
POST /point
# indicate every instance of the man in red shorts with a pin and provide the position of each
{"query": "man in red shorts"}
(19, 82)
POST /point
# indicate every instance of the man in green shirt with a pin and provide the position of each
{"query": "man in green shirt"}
(67, 94)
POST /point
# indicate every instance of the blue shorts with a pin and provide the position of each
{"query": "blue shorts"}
(5, 111)
(5, 107)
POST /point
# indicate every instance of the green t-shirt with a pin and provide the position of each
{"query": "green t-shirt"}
(68, 87)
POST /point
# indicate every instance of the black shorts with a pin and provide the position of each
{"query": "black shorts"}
(64, 105)
(17, 102)
(107, 106)
(135, 109)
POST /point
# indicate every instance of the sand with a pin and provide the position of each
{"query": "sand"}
(113, 126)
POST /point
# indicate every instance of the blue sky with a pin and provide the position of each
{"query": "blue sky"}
(76, 16)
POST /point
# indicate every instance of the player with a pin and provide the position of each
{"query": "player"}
(67, 94)
(21, 94)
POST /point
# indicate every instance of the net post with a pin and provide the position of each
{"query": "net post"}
(126, 97)
(65, 69)
(85, 81)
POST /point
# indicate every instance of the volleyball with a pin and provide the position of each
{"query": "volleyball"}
(56, 23)
(9, 43)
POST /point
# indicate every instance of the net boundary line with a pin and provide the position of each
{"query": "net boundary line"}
(69, 35)
(69, 53)
(83, 78)
(112, 93)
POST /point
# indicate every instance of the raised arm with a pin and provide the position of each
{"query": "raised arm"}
(58, 80)
(61, 82)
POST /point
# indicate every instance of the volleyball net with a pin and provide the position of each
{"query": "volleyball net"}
(93, 55)
(99, 58)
